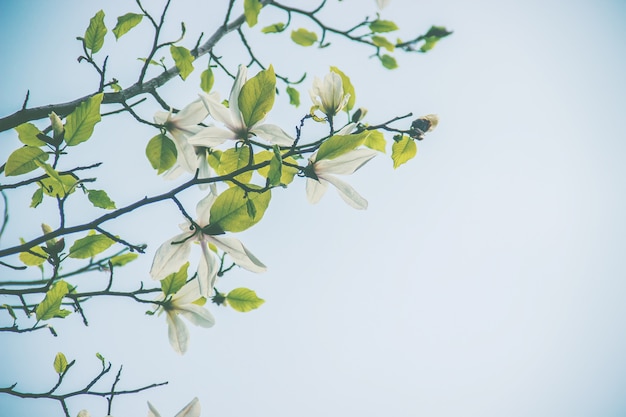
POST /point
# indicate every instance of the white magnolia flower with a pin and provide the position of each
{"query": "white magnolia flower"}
(83, 413)
(191, 410)
(172, 254)
(182, 126)
(183, 303)
(344, 164)
(232, 119)
(328, 95)
(382, 3)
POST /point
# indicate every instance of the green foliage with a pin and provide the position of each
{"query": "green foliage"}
(382, 26)
(123, 259)
(60, 363)
(183, 60)
(100, 199)
(375, 140)
(80, 123)
(36, 258)
(348, 88)
(382, 42)
(24, 160)
(256, 97)
(94, 35)
(90, 246)
(231, 211)
(174, 282)
(126, 23)
(275, 28)
(294, 96)
(388, 62)
(37, 198)
(50, 307)
(276, 168)
(161, 152)
(403, 150)
(207, 79)
(27, 134)
(243, 300)
(235, 159)
(251, 9)
(303, 37)
(339, 144)
(54, 188)
(287, 172)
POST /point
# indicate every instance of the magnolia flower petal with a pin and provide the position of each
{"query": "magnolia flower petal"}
(211, 137)
(239, 253)
(197, 315)
(204, 170)
(186, 295)
(152, 412)
(382, 3)
(273, 134)
(207, 271)
(177, 332)
(203, 209)
(348, 193)
(187, 158)
(191, 410)
(161, 117)
(219, 112)
(346, 129)
(333, 92)
(315, 189)
(174, 172)
(170, 256)
(345, 164)
(194, 113)
(233, 100)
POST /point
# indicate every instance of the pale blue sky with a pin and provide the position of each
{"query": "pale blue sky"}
(485, 279)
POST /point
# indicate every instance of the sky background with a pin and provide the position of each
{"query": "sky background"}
(485, 279)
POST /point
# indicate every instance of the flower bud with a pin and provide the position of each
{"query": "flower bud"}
(359, 115)
(57, 124)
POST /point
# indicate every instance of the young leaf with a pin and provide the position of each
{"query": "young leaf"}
(276, 169)
(287, 172)
(251, 9)
(382, 42)
(402, 151)
(303, 37)
(94, 35)
(55, 188)
(123, 259)
(256, 97)
(51, 305)
(389, 62)
(27, 134)
(80, 123)
(126, 23)
(429, 43)
(60, 363)
(243, 300)
(376, 140)
(183, 60)
(10, 311)
(24, 160)
(348, 88)
(99, 198)
(230, 210)
(381, 26)
(294, 96)
(206, 80)
(275, 28)
(36, 258)
(37, 198)
(90, 246)
(234, 159)
(161, 152)
(174, 282)
(339, 144)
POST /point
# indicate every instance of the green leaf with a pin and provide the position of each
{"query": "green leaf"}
(10, 311)
(24, 160)
(123, 259)
(243, 300)
(36, 259)
(99, 198)
(60, 363)
(339, 144)
(174, 282)
(116, 87)
(402, 151)
(437, 32)
(90, 246)
(206, 80)
(80, 123)
(429, 43)
(287, 172)
(389, 62)
(250, 208)
(51, 305)
(251, 9)
(94, 35)
(294, 96)
(382, 42)
(99, 356)
(276, 168)
(27, 133)
(275, 28)
(303, 37)
(230, 210)
(37, 198)
(214, 157)
(382, 26)
(235, 159)
(183, 60)
(161, 152)
(52, 187)
(52, 173)
(126, 23)
(375, 140)
(348, 88)
(256, 97)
